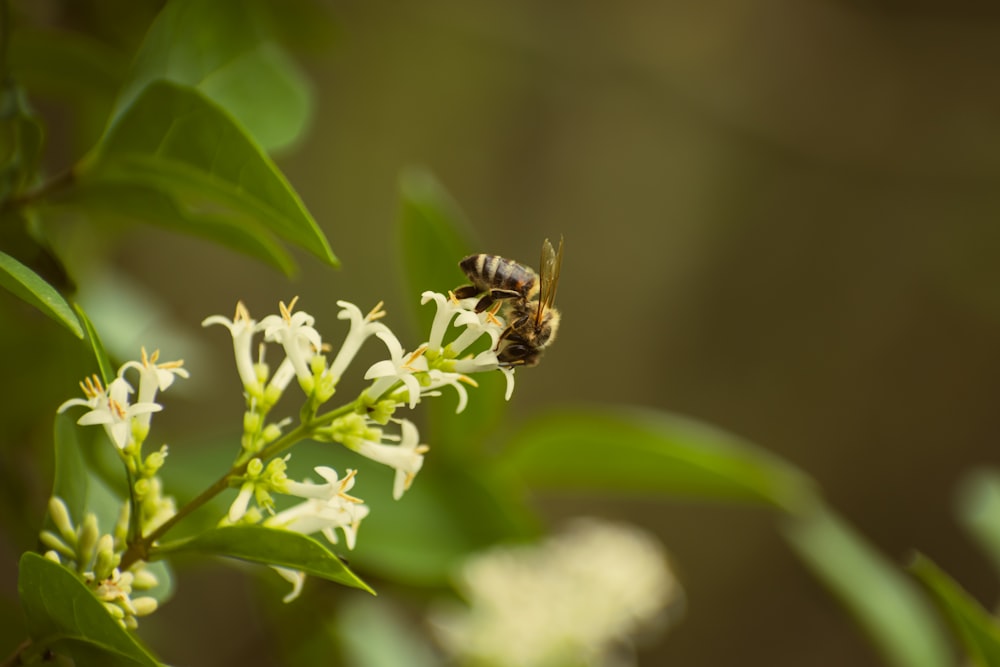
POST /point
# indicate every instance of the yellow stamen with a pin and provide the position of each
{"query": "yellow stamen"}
(376, 312)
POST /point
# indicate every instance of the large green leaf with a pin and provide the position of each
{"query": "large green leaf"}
(632, 450)
(975, 627)
(29, 286)
(886, 605)
(63, 616)
(222, 48)
(139, 201)
(979, 511)
(269, 546)
(174, 140)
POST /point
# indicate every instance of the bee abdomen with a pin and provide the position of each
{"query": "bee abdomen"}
(496, 272)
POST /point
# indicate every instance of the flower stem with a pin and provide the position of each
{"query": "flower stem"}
(140, 549)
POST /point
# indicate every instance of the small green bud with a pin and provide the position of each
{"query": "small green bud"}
(255, 468)
(61, 520)
(144, 606)
(53, 541)
(144, 579)
(87, 544)
(53, 556)
(117, 612)
(107, 560)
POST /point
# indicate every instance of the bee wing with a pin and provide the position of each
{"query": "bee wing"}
(549, 268)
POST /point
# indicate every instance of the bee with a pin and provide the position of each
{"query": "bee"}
(532, 321)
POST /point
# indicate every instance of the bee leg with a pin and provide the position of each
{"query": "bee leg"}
(465, 292)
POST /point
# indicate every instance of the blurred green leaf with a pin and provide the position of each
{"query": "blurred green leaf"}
(62, 615)
(139, 201)
(979, 511)
(70, 479)
(21, 138)
(269, 546)
(433, 239)
(374, 634)
(884, 602)
(975, 627)
(448, 513)
(643, 451)
(29, 286)
(175, 140)
(222, 49)
(67, 63)
(96, 346)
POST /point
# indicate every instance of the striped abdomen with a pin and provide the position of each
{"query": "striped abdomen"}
(493, 272)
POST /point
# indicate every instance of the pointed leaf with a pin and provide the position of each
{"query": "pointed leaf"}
(642, 451)
(885, 604)
(29, 286)
(173, 139)
(62, 615)
(96, 346)
(269, 546)
(222, 49)
(975, 627)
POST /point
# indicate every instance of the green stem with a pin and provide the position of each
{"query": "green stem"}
(140, 549)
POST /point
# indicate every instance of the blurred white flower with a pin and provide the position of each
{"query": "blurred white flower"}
(571, 600)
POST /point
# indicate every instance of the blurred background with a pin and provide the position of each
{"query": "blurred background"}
(780, 217)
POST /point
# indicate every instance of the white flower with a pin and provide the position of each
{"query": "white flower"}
(440, 379)
(295, 333)
(569, 600)
(406, 458)
(447, 308)
(362, 326)
(295, 577)
(400, 367)
(110, 408)
(153, 377)
(327, 507)
(476, 325)
(242, 327)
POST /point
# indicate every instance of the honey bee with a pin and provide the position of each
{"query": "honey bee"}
(532, 321)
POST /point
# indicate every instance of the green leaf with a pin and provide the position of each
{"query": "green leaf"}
(883, 602)
(979, 511)
(269, 546)
(643, 451)
(433, 237)
(66, 63)
(448, 513)
(222, 49)
(137, 201)
(70, 480)
(975, 627)
(21, 137)
(29, 286)
(96, 346)
(173, 139)
(62, 615)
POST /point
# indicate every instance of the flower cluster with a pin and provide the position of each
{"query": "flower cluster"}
(571, 600)
(368, 425)
(96, 557)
